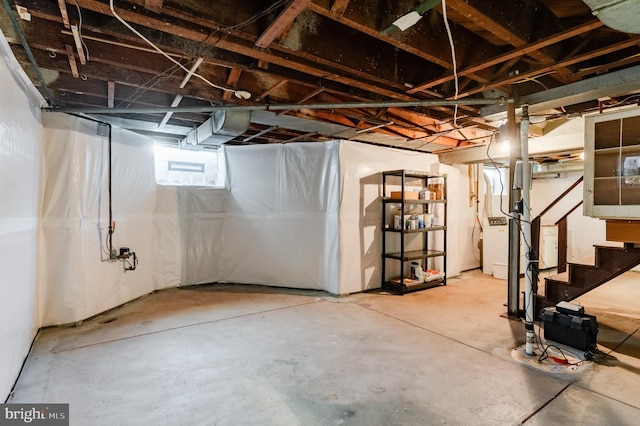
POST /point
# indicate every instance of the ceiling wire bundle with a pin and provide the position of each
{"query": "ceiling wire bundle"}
(148, 85)
(238, 93)
(453, 60)
(255, 17)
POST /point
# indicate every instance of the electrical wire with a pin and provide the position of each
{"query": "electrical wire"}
(163, 53)
(149, 84)
(453, 59)
(255, 17)
(544, 348)
(531, 265)
(84, 45)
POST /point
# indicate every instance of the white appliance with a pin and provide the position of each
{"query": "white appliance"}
(495, 246)
(548, 247)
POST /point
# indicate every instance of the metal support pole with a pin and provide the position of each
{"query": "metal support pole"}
(526, 230)
(513, 273)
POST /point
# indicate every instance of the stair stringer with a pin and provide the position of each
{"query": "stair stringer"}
(609, 263)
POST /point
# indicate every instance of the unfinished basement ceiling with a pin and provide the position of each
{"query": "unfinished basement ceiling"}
(297, 52)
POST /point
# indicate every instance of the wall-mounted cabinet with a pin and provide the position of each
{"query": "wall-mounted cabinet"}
(612, 165)
(414, 223)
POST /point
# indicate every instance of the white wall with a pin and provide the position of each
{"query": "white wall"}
(77, 280)
(583, 231)
(361, 210)
(20, 156)
(277, 224)
(468, 234)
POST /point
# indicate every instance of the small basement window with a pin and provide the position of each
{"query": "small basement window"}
(182, 167)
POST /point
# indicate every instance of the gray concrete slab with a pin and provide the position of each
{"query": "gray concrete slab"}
(576, 406)
(617, 376)
(236, 355)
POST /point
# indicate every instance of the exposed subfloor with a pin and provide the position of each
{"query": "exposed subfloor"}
(249, 355)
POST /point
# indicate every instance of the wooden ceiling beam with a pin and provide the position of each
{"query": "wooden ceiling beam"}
(153, 5)
(313, 94)
(307, 135)
(110, 51)
(64, 14)
(318, 56)
(271, 89)
(515, 53)
(338, 7)
(605, 67)
(78, 41)
(281, 23)
(634, 41)
(515, 25)
(365, 16)
(295, 60)
(72, 61)
(111, 93)
(131, 77)
(232, 81)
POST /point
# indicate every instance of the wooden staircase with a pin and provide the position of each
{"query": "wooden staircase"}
(579, 279)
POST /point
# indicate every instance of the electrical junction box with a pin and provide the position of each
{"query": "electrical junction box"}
(577, 330)
(497, 221)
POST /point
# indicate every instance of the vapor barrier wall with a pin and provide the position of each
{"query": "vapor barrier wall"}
(276, 225)
(20, 156)
(361, 212)
(77, 278)
(302, 215)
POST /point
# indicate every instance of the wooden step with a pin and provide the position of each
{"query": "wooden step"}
(610, 261)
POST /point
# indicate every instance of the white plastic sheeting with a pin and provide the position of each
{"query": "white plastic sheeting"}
(301, 215)
(361, 210)
(20, 155)
(277, 225)
(77, 279)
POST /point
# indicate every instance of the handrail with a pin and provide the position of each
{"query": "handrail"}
(562, 228)
(569, 212)
(561, 196)
(562, 239)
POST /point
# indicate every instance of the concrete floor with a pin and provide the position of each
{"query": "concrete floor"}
(247, 355)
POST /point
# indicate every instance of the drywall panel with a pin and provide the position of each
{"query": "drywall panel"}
(20, 156)
(78, 280)
(361, 210)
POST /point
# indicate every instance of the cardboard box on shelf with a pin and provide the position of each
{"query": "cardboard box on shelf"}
(437, 189)
(408, 195)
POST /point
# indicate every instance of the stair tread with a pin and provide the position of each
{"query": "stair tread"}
(611, 247)
(563, 276)
(610, 244)
(585, 261)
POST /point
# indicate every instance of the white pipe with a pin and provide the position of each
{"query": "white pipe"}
(526, 231)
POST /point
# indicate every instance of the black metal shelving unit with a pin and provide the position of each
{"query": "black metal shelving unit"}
(399, 178)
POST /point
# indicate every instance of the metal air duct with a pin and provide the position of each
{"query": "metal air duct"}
(220, 128)
(621, 15)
